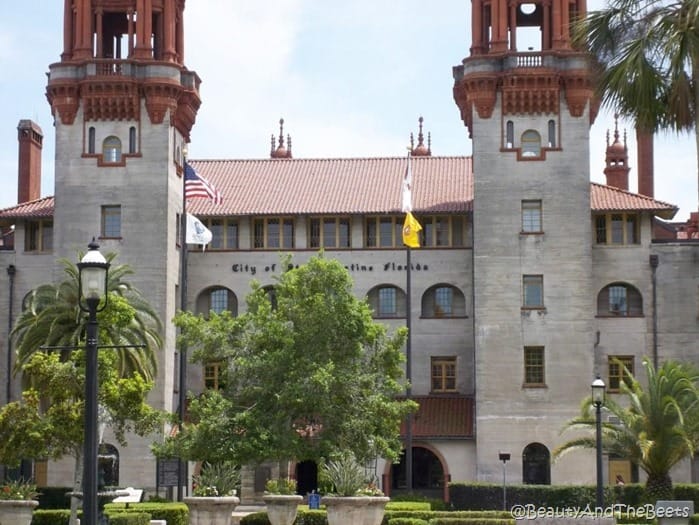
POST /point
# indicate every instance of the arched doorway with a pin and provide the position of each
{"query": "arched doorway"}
(536, 464)
(306, 477)
(428, 474)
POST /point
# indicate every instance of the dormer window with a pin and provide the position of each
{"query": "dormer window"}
(111, 150)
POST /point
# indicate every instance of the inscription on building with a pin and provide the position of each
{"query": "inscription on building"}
(390, 266)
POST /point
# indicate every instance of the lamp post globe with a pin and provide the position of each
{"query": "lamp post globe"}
(92, 280)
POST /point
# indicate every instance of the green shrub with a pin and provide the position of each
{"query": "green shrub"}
(407, 521)
(470, 521)
(408, 505)
(687, 492)
(284, 486)
(129, 518)
(51, 517)
(174, 513)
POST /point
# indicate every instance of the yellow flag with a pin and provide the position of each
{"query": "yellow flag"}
(411, 230)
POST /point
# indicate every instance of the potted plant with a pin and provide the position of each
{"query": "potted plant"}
(281, 501)
(214, 496)
(355, 499)
(17, 502)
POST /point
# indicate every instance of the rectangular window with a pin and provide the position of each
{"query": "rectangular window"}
(38, 236)
(329, 232)
(443, 374)
(531, 217)
(111, 222)
(383, 232)
(273, 233)
(617, 228)
(534, 373)
(224, 233)
(213, 377)
(620, 369)
(387, 301)
(443, 230)
(443, 301)
(533, 286)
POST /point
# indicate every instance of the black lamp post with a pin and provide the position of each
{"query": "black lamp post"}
(504, 457)
(598, 388)
(92, 279)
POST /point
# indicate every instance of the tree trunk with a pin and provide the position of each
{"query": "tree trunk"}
(75, 502)
(658, 487)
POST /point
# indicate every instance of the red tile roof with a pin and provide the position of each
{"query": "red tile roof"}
(608, 198)
(334, 186)
(348, 186)
(442, 417)
(33, 209)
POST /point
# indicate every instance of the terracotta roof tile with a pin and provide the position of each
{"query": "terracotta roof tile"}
(334, 186)
(442, 417)
(33, 209)
(608, 198)
(348, 186)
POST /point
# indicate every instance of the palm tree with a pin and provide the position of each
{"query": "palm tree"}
(52, 317)
(648, 51)
(655, 428)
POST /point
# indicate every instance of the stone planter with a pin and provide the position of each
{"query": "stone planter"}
(16, 511)
(211, 510)
(359, 510)
(282, 508)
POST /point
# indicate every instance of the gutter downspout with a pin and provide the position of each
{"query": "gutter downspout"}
(653, 260)
(11, 271)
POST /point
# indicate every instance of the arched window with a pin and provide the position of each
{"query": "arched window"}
(387, 301)
(510, 135)
(132, 139)
(217, 299)
(619, 300)
(443, 300)
(108, 466)
(536, 464)
(91, 140)
(111, 149)
(531, 143)
(552, 134)
(428, 471)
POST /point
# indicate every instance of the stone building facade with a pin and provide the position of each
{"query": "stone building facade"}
(530, 280)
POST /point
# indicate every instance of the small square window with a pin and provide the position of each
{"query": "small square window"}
(531, 216)
(534, 366)
(620, 370)
(111, 222)
(443, 374)
(533, 296)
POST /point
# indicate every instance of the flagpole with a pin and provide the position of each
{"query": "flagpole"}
(182, 392)
(409, 375)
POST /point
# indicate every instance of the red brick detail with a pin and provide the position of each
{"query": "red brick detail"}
(578, 91)
(114, 99)
(64, 101)
(532, 93)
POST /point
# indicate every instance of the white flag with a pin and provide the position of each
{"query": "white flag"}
(197, 233)
(408, 188)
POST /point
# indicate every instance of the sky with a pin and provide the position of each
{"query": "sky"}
(350, 79)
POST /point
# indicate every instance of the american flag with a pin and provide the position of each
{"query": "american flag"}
(197, 186)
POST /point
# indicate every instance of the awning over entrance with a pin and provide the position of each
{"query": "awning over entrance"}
(442, 417)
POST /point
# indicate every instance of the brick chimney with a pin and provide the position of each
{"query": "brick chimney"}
(645, 162)
(30, 139)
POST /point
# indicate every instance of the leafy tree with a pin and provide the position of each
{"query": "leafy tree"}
(309, 373)
(648, 51)
(656, 427)
(52, 318)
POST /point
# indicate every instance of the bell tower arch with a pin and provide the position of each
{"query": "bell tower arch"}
(526, 95)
